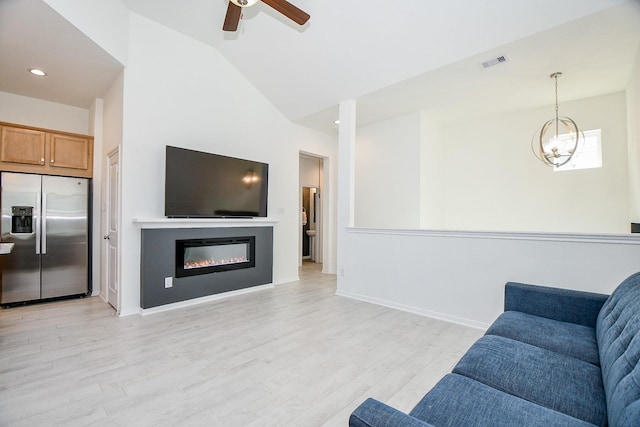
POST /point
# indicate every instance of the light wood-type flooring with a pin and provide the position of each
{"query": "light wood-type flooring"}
(295, 355)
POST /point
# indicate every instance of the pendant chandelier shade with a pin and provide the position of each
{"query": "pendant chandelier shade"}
(556, 142)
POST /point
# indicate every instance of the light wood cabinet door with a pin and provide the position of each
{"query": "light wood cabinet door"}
(25, 146)
(33, 150)
(70, 152)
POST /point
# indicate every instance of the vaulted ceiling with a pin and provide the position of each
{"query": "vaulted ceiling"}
(393, 57)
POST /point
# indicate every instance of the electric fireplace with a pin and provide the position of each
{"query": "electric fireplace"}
(204, 256)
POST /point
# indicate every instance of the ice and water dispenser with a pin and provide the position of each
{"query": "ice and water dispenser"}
(21, 219)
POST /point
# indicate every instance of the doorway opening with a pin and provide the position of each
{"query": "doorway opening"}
(310, 226)
(311, 231)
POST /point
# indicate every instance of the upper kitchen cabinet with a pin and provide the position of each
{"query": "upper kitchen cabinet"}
(24, 146)
(70, 152)
(43, 151)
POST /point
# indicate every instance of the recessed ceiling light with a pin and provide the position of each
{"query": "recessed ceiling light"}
(37, 72)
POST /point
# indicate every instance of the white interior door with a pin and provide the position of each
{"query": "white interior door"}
(113, 223)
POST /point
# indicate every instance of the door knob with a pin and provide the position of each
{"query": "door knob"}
(106, 237)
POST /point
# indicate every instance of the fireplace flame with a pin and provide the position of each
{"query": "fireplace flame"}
(203, 263)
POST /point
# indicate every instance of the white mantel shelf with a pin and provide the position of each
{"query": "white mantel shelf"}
(204, 222)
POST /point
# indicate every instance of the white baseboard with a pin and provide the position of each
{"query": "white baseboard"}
(414, 310)
(288, 280)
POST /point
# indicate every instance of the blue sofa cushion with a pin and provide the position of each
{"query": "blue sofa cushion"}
(549, 379)
(565, 338)
(375, 413)
(564, 305)
(460, 401)
(618, 334)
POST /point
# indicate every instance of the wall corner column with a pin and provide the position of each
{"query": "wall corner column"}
(96, 124)
(346, 178)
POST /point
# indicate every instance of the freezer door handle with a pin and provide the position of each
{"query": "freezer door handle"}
(37, 221)
(44, 223)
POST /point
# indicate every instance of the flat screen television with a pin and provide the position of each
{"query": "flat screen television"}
(206, 185)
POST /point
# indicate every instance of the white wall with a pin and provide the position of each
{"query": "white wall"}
(387, 180)
(309, 172)
(481, 174)
(106, 22)
(44, 114)
(111, 139)
(432, 168)
(413, 172)
(113, 117)
(96, 124)
(633, 123)
(493, 181)
(460, 277)
(181, 92)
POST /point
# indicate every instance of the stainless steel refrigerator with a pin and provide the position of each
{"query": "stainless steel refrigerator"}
(47, 217)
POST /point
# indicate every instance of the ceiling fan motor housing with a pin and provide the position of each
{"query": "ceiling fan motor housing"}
(244, 3)
(234, 12)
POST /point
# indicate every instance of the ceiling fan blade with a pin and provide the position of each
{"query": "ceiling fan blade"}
(232, 18)
(290, 11)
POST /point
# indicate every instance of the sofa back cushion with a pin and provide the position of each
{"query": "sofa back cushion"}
(618, 335)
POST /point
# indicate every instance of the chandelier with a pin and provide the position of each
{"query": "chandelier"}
(556, 142)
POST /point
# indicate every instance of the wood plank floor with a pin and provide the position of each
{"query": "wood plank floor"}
(296, 355)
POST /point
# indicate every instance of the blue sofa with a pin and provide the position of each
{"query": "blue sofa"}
(555, 357)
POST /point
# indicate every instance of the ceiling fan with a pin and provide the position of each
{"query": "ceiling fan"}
(234, 12)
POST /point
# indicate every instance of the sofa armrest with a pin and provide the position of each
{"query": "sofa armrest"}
(564, 305)
(374, 413)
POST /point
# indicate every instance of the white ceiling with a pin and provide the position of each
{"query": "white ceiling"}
(393, 57)
(32, 35)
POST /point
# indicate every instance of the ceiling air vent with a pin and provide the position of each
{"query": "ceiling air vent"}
(494, 61)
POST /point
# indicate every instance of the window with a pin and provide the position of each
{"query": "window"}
(588, 154)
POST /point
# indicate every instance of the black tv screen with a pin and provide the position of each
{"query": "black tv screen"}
(206, 185)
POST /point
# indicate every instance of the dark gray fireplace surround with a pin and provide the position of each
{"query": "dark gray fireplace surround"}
(158, 260)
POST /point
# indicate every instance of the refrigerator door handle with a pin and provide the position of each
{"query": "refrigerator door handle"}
(37, 221)
(43, 215)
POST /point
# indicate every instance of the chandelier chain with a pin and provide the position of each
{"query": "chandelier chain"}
(556, 75)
